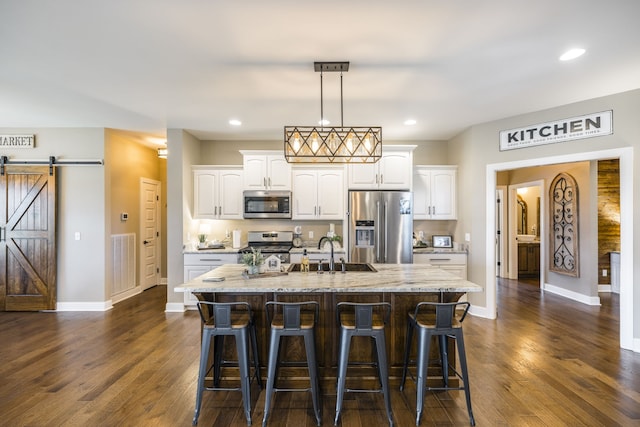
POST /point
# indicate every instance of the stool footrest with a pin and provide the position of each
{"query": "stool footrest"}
(364, 390)
(292, 389)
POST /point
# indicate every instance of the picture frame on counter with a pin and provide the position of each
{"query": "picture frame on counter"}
(442, 241)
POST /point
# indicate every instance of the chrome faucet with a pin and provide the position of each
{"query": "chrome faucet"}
(331, 257)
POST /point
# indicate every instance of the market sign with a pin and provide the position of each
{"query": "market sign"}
(587, 126)
(17, 141)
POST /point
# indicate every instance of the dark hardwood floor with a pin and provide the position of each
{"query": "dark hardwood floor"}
(546, 361)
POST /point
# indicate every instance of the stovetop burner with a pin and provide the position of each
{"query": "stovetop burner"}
(270, 242)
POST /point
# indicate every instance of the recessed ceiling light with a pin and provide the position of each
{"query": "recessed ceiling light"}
(410, 122)
(572, 54)
(235, 122)
(324, 122)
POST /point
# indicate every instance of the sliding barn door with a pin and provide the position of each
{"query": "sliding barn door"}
(27, 239)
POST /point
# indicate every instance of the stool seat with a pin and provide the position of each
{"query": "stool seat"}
(307, 321)
(292, 319)
(363, 319)
(436, 320)
(220, 320)
(348, 321)
(238, 320)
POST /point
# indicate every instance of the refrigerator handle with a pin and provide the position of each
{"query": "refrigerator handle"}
(377, 232)
(386, 231)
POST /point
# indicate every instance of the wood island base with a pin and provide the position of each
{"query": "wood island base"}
(362, 348)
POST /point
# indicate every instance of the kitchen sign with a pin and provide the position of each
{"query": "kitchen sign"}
(17, 141)
(587, 126)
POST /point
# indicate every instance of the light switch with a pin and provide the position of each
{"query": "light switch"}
(77, 235)
(311, 234)
(467, 237)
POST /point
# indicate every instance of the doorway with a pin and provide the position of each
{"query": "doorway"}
(150, 247)
(527, 230)
(625, 156)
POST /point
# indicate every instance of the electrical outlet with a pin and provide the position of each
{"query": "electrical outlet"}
(604, 273)
(311, 234)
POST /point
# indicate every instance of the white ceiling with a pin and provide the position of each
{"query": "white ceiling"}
(148, 65)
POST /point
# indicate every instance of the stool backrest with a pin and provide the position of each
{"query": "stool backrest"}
(364, 312)
(219, 313)
(444, 312)
(290, 312)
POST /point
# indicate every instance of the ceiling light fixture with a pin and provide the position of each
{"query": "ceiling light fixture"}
(235, 122)
(311, 144)
(572, 54)
(410, 122)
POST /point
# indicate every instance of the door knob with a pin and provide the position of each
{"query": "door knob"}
(145, 242)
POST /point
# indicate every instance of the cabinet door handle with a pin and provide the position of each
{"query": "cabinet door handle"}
(319, 208)
(315, 210)
(269, 182)
(377, 179)
(264, 182)
(215, 210)
(1, 234)
(220, 210)
(381, 179)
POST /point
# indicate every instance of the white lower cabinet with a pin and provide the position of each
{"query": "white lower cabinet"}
(453, 263)
(197, 264)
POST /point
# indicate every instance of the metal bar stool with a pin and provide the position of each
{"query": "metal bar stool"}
(437, 319)
(292, 319)
(363, 319)
(218, 321)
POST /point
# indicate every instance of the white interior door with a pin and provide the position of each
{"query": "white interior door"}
(149, 230)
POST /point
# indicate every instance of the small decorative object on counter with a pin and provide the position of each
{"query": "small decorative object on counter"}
(304, 264)
(253, 260)
(202, 241)
(273, 263)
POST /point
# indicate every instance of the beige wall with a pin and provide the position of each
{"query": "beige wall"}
(81, 208)
(477, 149)
(128, 161)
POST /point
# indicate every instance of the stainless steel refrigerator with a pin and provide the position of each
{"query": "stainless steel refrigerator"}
(380, 227)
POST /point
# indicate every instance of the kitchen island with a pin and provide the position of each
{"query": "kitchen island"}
(402, 285)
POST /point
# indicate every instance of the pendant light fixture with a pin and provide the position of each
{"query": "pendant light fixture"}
(322, 144)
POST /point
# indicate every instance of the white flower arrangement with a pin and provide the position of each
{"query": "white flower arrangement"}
(253, 258)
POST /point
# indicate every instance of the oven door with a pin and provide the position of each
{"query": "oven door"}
(267, 204)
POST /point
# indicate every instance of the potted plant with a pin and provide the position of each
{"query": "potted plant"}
(202, 241)
(253, 260)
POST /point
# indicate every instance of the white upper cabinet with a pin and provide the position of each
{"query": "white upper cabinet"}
(217, 192)
(318, 193)
(392, 172)
(266, 170)
(434, 192)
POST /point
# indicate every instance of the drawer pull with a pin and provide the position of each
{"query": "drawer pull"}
(439, 259)
(210, 259)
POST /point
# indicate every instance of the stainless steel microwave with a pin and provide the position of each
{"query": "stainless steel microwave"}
(267, 204)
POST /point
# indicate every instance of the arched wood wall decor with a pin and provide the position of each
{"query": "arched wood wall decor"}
(564, 254)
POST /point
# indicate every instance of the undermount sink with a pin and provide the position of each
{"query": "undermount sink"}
(349, 266)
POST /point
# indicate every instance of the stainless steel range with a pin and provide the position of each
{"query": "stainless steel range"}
(270, 243)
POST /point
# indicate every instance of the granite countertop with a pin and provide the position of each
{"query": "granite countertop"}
(389, 278)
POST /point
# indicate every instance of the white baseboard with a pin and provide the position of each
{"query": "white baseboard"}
(163, 281)
(584, 299)
(481, 312)
(174, 307)
(604, 288)
(84, 306)
(126, 294)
